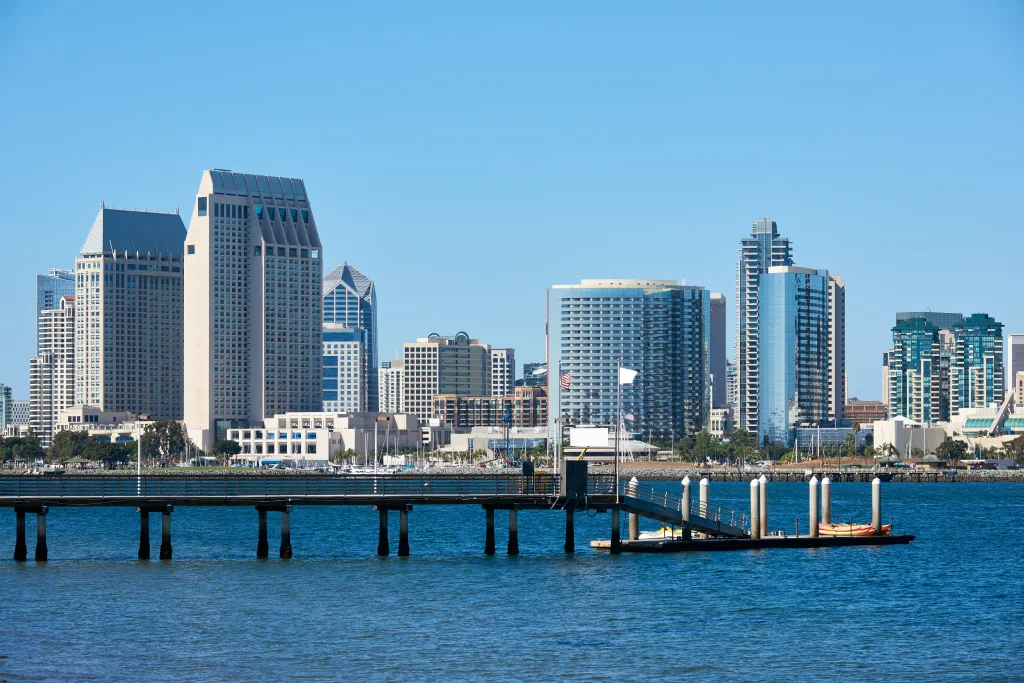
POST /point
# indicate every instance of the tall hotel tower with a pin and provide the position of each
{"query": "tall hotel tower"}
(764, 249)
(128, 329)
(253, 315)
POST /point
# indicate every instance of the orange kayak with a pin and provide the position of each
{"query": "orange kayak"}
(850, 530)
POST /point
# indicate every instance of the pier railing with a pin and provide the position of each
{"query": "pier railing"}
(659, 496)
(297, 486)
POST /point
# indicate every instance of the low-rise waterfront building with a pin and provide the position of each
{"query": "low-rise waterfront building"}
(906, 435)
(312, 439)
(721, 422)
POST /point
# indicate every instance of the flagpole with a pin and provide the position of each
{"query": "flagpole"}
(618, 420)
(558, 422)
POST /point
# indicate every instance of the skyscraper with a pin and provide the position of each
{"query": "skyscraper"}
(659, 328)
(50, 287)
(443, 365)
(793, 330)
(1015, 364)
(391, 385)
(716, 347)
(977, 370)
(253, 298)
(503, 372)
(759, 252)
(344, 370)
(350, 300)
(836, 347)
(52, 372)
(130, 315)
(6, 406)
(917, 373)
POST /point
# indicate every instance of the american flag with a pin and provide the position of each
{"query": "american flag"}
(564, 380)
(629, 416)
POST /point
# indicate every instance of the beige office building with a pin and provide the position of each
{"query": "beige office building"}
(52, 372)
(128, 294)
(253, 306)
(444, 365)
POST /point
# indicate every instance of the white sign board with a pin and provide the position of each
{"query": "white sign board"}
(593, 437)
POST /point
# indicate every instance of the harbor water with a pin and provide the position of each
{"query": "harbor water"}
(947, 607)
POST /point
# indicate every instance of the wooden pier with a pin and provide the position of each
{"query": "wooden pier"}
(576, 492)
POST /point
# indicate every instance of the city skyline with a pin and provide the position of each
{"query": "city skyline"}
(419, 164)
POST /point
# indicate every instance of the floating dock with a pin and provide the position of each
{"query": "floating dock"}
(679, 545)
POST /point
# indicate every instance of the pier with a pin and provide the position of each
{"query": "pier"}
(577, 491)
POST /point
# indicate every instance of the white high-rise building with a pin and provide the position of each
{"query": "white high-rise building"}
(503, 372)
(1015, 363)
(763, 249)
(253, 288)
(836, 347)
(130, 316)
(52, 372)
(50, 287)
(390, 383)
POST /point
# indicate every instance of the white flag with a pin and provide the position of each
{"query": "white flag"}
(626, 376)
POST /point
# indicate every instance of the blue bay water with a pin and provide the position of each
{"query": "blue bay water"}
(948, 607)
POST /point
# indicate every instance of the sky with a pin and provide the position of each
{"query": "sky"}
(467, 156)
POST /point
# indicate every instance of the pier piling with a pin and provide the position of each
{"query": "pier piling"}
(616, 546)
(755, 510)
(634, 526)
(165, 536)
(286, 532)
(876, 505)
(143, 533)
(403, 533)
(20, 550)
(41, 549)
(685, 509)
(489, 541)
(762, 492)
(382, 534)
(513, 532)
(826, 500)
(262, 546)
(812, 525)
(570, 531)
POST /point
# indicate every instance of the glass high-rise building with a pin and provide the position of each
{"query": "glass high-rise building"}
(977, 370)
(350, 301)
(52, 372)
(659, 328)
(794, 344)
(344, 368)
(253, 297)
(6, 406)
(918, 371)
(759, 252)
(130, 314)
(50, 287)
(943, 321)
(534, 375)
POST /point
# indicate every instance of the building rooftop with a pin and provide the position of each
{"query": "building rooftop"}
(251, 185)
(356, 280)
(139, 232)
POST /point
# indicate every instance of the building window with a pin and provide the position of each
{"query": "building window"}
(202, 206)
(191, 248)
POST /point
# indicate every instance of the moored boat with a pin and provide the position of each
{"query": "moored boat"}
(851, 530)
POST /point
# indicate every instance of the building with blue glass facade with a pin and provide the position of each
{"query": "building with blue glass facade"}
(6, 407)
(659, 328)
(350, 301)
(793, 348)
(763, 249)
(50, 287)
(918, 367)
(977, 370)
(344, 364)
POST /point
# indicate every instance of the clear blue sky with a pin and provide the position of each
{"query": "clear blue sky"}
(468, 155)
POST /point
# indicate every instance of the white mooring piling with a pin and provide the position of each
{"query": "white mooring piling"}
(813, 525)
(684, 508)
(755, 510)
(826, 500)
(876, 505)
(762, 485)
(705, 496)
